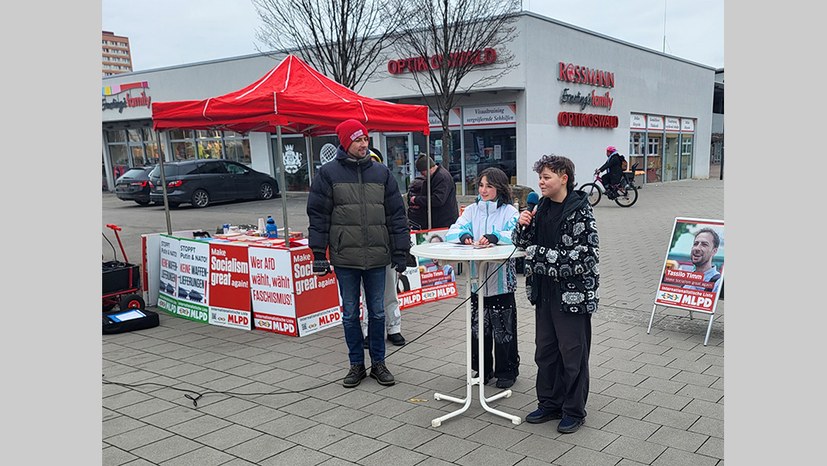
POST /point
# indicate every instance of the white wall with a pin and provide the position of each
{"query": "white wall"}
(646, 81)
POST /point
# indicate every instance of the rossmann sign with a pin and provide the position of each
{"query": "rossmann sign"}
(579, 74)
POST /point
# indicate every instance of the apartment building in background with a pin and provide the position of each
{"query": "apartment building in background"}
(116, 57)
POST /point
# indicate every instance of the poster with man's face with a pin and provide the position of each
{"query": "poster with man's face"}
(694, 265)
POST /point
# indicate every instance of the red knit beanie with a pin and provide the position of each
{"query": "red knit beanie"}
(349, 130)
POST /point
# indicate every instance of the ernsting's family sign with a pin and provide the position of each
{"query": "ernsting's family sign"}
(128, 100)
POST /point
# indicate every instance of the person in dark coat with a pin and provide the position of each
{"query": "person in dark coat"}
(417, 216)
(561, 267)
(444, 207)
(613, 167)
(357, 215)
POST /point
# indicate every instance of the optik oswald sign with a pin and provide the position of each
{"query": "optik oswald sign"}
(118, 102)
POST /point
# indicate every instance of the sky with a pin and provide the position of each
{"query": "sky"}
(176, 32)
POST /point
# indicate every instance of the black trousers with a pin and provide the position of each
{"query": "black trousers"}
(563, 342)
(500, 356)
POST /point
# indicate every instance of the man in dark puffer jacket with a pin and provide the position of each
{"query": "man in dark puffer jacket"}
(356, 211)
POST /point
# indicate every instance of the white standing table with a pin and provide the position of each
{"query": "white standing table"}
(464, 253)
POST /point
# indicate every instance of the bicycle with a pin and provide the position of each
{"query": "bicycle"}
(624, 195)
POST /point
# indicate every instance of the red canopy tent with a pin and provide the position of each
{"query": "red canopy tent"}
(292, 97)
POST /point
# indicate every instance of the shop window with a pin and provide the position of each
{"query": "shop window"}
(238, 150)
(489, 148)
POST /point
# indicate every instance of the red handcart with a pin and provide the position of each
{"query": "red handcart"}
(121, 280)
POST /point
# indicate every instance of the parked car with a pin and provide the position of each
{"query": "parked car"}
(205, 181)
(133, 185)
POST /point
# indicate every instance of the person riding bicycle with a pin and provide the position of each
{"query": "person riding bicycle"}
(614, 170)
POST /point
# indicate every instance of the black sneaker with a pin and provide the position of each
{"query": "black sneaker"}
(381, 373)
(541, 415)
(569, 425)
(397, 339)
(354, 376)
(504, 383)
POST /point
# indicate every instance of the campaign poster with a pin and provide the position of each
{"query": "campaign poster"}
(229, 286)
(431, 280)
(317, 297)
(193, 270)
(694, 266)
(271, 288)
(168, 278)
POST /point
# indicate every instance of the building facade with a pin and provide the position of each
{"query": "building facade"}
(116, 56)
(570, 92)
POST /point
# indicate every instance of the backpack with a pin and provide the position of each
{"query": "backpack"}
(623, 164)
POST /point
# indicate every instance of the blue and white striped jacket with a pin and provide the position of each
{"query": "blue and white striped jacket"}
(483, 218)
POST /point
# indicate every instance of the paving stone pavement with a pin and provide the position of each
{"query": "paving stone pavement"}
(655, 399)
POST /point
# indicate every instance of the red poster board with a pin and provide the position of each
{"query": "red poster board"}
(229, 286)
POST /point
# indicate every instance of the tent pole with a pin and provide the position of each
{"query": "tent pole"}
(280, 164)
(161, 156)
(428, 178)
(309, 159)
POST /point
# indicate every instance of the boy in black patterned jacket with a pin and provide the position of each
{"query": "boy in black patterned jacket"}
(561, 268)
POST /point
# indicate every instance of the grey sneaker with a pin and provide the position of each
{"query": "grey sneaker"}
(381, 373)
(354, 376)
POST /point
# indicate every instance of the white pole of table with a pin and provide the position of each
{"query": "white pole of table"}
(456, 252)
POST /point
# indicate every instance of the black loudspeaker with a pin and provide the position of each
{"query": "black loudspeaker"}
(128, 320)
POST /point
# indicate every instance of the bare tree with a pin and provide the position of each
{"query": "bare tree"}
(340, 38)
(455, 37)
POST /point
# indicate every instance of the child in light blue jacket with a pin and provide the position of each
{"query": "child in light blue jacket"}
(490, 221)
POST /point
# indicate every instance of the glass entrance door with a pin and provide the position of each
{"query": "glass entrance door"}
(686, 157)
(399, 158)
(670, 157)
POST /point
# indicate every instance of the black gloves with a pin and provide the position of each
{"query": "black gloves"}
(321, 267)
(399, 262)
(320, 264)
(492, 238)
(465, 236)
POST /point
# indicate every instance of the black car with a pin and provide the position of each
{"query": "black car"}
(134, 185)
(204, 181)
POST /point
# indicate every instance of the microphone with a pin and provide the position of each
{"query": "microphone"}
(531, 203)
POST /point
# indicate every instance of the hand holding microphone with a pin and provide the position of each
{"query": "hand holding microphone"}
(526, 215)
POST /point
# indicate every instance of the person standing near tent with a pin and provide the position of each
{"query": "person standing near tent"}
(393, 316)
(444, 208)
(356, 213)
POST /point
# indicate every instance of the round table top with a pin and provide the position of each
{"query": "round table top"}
(464, 252)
